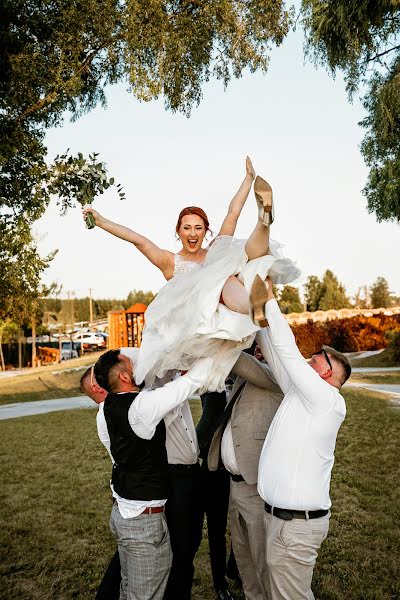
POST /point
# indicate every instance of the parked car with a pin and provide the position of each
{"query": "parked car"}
(92, 341)
(68, 351)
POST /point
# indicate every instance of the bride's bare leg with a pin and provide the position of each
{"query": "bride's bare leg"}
(235, 297)
(258, 243)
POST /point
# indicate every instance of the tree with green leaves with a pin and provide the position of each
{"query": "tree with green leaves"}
(381, 296)
(139, 296)
(58, 57)
(326, 294)
(312, 292)
(20, 271)
(289, 300)
(362, 39)
(21, 268)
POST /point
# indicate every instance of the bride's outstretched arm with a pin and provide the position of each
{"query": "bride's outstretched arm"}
(160, 258)
(235, 207)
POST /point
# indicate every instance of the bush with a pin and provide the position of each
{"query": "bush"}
(354, 334)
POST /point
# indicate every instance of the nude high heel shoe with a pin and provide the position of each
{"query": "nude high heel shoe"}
(258, 298)
(263, 193)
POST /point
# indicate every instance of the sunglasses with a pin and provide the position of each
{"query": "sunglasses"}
(325, 354)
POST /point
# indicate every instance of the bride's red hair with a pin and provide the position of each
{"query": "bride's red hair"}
(193, 210)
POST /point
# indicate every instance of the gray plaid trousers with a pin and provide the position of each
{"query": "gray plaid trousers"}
(145, 554)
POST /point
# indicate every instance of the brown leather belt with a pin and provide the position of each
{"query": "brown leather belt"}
(152, 510)
(288, 515)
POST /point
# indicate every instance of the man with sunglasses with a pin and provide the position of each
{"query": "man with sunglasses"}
(298, 454)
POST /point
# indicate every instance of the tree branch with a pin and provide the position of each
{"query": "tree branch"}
(53, 95)
(383, 53)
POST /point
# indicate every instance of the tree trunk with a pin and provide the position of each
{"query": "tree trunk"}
(59, 344)
(3, 366)
(19, 349)
(34, 340)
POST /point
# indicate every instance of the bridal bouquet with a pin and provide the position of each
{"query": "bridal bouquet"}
(79, 178)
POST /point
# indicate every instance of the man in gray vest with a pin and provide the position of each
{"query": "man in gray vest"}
(237, 443)
(133, 431)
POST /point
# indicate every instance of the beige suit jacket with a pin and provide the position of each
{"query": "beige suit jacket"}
(251, 416)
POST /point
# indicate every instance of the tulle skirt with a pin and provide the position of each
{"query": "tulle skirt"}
(186, 320)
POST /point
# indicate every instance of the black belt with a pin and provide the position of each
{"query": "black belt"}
(182, 467)
(288, 515)
(236, 477)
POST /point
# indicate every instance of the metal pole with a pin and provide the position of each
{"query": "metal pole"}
(34, 340)
(90, 306)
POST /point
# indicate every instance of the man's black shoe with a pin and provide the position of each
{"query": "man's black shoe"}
(224, 594)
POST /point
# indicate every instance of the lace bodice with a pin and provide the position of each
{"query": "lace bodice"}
(183, 266)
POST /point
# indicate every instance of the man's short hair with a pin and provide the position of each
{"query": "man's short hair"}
(104, 370)
(342, 359)
(84, 378)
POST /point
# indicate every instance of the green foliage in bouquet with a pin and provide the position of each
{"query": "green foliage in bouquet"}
(81, 179)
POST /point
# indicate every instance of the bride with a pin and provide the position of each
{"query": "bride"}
(203, 309)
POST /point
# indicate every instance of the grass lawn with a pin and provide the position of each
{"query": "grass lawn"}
(46, 383)
(56, 502)
(386, 358)
(387, 377)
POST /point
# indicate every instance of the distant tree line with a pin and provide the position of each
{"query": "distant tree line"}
(329, 293)
(66, 311)
(319, 294)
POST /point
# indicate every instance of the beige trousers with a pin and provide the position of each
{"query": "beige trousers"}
(292, 549)
(246, 517)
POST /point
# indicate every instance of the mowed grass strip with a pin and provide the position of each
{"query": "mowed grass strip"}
(46, 383)
(386, 377)
(56, 503)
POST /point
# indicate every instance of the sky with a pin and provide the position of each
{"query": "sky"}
(302, 134)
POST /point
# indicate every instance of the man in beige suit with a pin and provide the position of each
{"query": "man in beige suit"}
(237, 443)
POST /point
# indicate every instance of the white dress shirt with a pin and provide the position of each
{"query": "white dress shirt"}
(181, 438)
(228, 455)
(298, 453)
(146, 411)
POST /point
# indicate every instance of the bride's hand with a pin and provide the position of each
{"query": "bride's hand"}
(88, 209)
(249, 168)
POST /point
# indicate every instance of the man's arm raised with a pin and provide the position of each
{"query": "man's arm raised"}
(151, 406)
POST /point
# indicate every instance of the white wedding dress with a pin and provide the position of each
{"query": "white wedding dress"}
(186, 320)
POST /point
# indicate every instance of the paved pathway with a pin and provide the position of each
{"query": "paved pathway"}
(385, 388)
(23, 409)
(374, 369)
